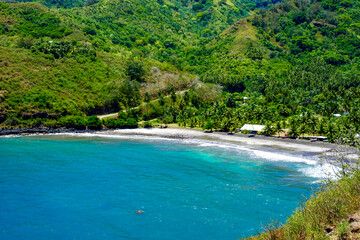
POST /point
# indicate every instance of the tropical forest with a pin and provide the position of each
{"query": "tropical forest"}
(207, 64)
(291, 65)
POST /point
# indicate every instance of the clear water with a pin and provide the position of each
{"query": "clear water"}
(68, 187)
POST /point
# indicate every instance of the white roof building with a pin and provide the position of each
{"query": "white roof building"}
(253, 128)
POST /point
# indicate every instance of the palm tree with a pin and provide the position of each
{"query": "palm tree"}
(293, 132)
(268, 130)
(302, 130)
(209, 126)
(311, 123)
(278, 128)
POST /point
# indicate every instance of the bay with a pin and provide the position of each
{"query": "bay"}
(89, 187)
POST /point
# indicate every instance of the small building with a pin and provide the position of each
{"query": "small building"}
(318, 138)
(253, 128)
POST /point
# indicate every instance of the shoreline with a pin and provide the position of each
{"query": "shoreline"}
(292, 145)
(317, 149)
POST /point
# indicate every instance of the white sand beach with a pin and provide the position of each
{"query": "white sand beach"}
(285, 144)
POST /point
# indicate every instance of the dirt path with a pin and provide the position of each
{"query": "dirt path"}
(113, 115)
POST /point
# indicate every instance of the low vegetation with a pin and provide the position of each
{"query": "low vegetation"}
(325, 215)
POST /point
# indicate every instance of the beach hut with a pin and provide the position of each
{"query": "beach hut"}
(252, 128)
(318, 138)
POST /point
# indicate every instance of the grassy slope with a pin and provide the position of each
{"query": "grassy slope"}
(36, 82)
(67, 84)
(61, 86)
(117, 30)
(323, 216)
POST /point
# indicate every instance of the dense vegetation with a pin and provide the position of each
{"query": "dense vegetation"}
(291, 66)
(210, 64)
(61, 3)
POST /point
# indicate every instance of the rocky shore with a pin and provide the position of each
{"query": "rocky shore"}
(27, 131)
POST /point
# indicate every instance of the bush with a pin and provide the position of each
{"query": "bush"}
(147, 124)
(131, 123)
(93, 122)
(120, 123)
(76, 122)
(122, 115)
(114, 123)
(89, 30)
(25, 42)
(51, 123)
(209, 126)
(91, 2)
(196, 7)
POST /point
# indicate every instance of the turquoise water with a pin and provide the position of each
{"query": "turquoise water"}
(66, 187)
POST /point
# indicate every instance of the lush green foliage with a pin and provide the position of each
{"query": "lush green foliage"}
(291, 66)
(62, 3)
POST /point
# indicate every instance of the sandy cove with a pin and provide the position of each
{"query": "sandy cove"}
(316, 148)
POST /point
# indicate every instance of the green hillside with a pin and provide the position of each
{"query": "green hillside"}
(210, 64)
(296, 63)
(62, 62)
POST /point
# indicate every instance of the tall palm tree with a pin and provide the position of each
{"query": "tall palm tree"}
(278, 128)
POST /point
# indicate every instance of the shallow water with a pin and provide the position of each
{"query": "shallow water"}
(82, 187)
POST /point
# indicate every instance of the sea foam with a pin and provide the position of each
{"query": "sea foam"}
(309, 166)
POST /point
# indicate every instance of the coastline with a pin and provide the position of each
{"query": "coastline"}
(292, 145)
(30, 131)
(318, 149)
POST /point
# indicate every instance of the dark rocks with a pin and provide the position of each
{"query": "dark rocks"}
(27, 131)
(329, 229)
(352, 230)
(354, 218)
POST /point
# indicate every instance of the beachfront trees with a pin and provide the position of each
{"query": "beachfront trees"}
(209, 125)
(93, 122)
(293, 131)
(302, 130)
(278, 128)
(268, 130)
(226, 124)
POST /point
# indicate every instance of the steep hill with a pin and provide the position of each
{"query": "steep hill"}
(211, 64)
(298, 54)
(58, 62)
(293, 59)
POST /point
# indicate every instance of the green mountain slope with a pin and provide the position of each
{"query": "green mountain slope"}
(142, 28)
(292, 59)
(298, 54)
(61, 3)
(211, 64)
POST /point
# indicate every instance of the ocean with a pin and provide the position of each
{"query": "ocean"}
(88, 186)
